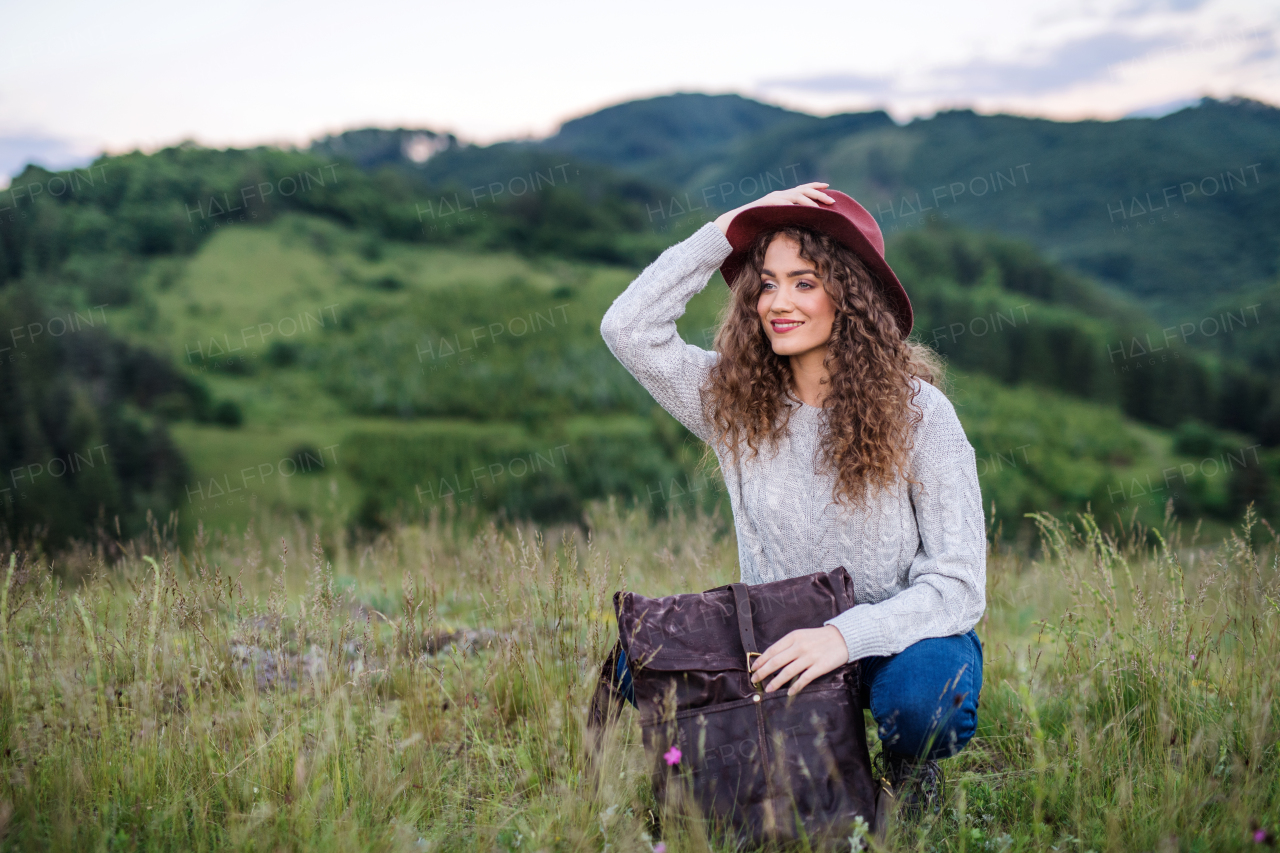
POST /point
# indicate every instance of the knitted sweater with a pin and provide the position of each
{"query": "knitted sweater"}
(917, 554)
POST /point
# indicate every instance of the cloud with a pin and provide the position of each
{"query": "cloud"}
(1262, 54)
(837, 83)
(1082, 60)
(1140, 8)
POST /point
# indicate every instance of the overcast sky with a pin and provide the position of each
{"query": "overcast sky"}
(81, 77)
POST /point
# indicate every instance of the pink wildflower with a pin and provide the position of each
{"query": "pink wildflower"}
(660, 847)
(1260, 836)
(672, 756)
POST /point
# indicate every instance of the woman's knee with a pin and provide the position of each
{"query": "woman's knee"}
(925, 700)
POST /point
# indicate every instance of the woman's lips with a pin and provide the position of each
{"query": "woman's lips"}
(781, 327)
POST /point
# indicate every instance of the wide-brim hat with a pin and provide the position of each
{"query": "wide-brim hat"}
(846, 221)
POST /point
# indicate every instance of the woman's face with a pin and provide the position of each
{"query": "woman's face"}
(794, 307)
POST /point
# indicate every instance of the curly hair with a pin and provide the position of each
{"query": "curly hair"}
(870, 403)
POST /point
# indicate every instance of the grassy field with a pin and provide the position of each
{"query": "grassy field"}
(286, 689)
(323, 337)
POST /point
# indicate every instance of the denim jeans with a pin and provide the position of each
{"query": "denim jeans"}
(924, 699)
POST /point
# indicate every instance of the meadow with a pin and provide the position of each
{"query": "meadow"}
(399, 367)
(369, 480)
(230, 355)
(288, 687)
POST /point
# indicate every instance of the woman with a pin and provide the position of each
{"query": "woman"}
(837, 450)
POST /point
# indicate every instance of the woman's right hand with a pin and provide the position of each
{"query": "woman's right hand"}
(809, 194)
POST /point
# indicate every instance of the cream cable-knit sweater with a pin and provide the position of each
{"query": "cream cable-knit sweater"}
(917, 555)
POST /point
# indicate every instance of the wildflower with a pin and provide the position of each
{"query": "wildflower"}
(672, 756)
(660, 847)
(857, 840)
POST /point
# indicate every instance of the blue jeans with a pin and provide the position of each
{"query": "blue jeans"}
(924, 699)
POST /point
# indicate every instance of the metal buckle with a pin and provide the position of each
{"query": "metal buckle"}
(758, 685)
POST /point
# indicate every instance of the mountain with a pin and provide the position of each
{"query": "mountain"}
(669, 140)
(1177, 211)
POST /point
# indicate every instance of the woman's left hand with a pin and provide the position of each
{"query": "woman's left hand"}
(804, 195)
(807, 653)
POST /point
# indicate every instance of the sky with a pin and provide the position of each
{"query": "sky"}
(77, 78)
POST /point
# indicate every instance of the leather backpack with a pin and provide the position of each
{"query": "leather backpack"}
(759, 766)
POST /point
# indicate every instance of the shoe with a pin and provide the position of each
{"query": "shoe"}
(918, 787)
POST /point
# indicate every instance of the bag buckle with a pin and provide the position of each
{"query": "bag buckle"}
(759, 686)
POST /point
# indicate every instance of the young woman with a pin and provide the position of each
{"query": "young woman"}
(837, 449)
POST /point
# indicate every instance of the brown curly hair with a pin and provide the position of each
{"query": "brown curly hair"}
(870, 404)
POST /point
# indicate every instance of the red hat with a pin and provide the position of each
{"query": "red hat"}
(846, 221)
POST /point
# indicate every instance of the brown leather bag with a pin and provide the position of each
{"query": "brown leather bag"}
(761, 766)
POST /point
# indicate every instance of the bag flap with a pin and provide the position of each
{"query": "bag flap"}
(699, 631)
(677, 632)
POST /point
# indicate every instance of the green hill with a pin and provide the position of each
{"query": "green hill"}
(1177, 346)
(480, 379)
(1174, 210)
(395, 323)
(996, 306)
(679, 139)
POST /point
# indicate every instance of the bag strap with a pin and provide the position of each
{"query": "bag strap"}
(746, 628)
(844, 598)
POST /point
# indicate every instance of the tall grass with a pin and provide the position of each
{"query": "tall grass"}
(283, 689)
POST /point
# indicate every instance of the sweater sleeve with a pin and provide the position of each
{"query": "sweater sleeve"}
(640, 327)
(946, 592)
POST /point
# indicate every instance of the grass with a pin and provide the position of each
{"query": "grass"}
(285, 688)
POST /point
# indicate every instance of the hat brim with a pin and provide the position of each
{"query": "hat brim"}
(750, 223)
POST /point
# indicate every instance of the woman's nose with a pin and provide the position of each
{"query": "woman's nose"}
(782, 300)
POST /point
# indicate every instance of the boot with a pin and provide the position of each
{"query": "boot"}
(917, 787)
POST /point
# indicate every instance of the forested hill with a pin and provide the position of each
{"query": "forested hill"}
(1177, 211)
(85, 428)
(133, 283)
